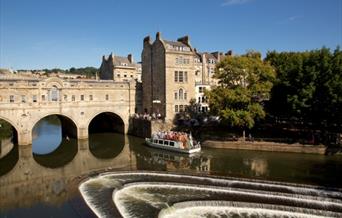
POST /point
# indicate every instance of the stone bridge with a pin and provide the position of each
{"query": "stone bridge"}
(76, 102)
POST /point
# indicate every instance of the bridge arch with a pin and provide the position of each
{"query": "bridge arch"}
(106, 121)
(14, 126)
(68, 124)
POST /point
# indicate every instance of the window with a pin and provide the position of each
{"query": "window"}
(54, 94)
(131, 76)
(125, 75)
(176, 76)
(73, 98)
(181, 108)
(176, 95)
(107, 97)
(176, 108)
(34, 98)
(200, 90)
(186, 76)
(172, 143)
(90, 97)
(11, 98)
(180, 94)
(43, 97)
(180, 76)
(82, 97)
(185, 95)
(118, 75)
(199, 99)
(23, 98)
(65, 98)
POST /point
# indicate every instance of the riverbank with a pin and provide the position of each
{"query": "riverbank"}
(271, 146)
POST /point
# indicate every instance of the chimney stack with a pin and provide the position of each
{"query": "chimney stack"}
(158, 35)
(130, 58)
(185, 40)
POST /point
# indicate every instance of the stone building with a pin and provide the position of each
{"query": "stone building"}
(119, 68)
(167, 75)
(205, 64)
(173, 72)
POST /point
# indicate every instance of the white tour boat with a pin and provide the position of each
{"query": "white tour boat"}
(174, 141)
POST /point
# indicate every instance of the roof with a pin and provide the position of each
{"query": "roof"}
(122, 61)
(175, 43)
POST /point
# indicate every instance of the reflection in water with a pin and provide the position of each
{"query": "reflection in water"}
(257, 165)
(65, 153)
(8, 161)
(106, 145)
(55, 172)
(46, 135)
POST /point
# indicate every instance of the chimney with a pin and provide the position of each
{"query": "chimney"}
(147, 40)
(158, 35)
(185, 40)
(130, 58)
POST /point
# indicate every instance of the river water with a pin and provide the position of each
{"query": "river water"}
(43, 180)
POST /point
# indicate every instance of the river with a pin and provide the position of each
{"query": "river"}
(42, 180)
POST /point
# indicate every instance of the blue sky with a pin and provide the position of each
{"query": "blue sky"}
(36, 34)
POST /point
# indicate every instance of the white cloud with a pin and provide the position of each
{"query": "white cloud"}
(293, 18)
(234, 2)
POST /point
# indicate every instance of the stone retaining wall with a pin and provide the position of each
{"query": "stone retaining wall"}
(266, 146)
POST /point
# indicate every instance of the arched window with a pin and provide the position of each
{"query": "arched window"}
(54, 93)
(180, 95)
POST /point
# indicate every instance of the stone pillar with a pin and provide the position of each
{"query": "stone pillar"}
(25, 138)
(82, 133)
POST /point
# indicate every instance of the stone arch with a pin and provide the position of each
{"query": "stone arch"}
(68, 124)
(14, 126)
(54, 81)
(121, 127)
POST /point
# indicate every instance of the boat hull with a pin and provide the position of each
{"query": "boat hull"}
(186, 151)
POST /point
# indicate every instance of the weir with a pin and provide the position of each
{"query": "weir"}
(174, 195)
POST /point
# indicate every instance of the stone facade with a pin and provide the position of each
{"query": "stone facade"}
(24, 102)
(173, 72)
(120, 69)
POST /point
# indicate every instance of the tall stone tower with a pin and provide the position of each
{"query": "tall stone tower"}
(167, 75)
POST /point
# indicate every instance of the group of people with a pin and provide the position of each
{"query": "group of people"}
(146, 116)
(174, 136)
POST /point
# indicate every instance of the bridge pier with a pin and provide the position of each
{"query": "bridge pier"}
(25, 138)
(82, 133)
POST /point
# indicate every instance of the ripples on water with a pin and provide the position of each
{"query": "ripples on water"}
(144, 194)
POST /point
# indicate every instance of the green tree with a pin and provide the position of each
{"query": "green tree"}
(244, 84)
(308, 87)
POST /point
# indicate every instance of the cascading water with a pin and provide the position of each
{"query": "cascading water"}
(149, 194)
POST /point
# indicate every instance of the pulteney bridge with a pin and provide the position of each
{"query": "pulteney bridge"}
(77, 103)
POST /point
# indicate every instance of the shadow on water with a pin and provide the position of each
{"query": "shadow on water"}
(8, 162)
(65, 153)
(106, 145)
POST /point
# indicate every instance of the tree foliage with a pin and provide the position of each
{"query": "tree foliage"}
(244, 84)
(308, 87)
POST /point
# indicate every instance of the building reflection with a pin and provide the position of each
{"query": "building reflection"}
(258, 166)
